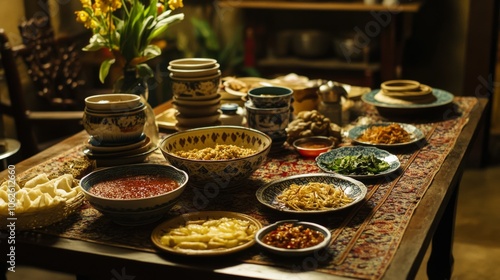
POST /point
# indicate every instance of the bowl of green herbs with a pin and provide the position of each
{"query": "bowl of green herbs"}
(358, 162)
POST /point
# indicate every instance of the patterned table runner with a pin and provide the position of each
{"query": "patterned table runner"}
(365, 237)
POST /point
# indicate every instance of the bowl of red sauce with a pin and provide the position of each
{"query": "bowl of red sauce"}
(311, 147)
(294, 238)
(134, 194)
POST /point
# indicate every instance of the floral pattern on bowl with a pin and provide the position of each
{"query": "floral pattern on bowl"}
(217, 173)
(122, 127)
(205, 88)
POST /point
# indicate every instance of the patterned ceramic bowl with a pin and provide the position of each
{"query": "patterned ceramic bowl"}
(112, 102)
(193, 63)
(134, 211)
(217, 174)
(115, 128)
(196, 88)
(270, 96)
(272, 121)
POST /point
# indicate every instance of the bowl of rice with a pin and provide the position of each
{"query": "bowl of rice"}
(217, 156)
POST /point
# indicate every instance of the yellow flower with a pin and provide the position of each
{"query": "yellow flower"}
(86, 3)
(174, 4)
(129, 34)
(107, 6)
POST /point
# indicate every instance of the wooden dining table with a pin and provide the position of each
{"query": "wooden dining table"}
(84, 246)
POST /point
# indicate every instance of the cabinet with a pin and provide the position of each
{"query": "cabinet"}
(386, 26)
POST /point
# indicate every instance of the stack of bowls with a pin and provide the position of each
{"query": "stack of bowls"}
(195, 90)
(268, 109)
(115, 123)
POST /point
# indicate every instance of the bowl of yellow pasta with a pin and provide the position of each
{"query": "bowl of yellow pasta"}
(311, 193)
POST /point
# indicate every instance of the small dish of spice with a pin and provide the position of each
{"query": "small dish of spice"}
(293, 238)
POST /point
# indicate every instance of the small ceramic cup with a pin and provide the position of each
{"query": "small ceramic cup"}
(272, 121)
(270, 96)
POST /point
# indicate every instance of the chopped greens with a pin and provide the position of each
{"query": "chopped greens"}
(357, 165)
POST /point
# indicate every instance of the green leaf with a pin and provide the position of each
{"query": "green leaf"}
(144, 70)
(151, 51)
(161, 26)
(104, 69)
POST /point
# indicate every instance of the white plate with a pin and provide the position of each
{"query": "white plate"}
(356, 132)
(181, 220)
(352, 188)
(359, 150)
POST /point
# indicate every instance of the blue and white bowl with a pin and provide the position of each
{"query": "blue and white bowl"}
(218, 174)
(270, 96)
(272, 121)
(200, 88)
(115, 128)
(137, 211)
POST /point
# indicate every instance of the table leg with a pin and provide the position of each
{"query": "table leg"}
(440, 264)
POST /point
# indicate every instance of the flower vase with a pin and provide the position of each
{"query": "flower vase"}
(132, 83)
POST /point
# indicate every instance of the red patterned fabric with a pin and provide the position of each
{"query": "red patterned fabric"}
(365, 237)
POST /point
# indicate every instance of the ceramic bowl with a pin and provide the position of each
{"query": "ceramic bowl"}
(115, 128)
(197, 102)
(196, 110)
(192, 63)
(311, 147)
(196, 88)
(137, 211)
(113, 102)
(272, 121)
(270, 96)
(297, 225)
(194, 73)
(186, 121)
(218, 174)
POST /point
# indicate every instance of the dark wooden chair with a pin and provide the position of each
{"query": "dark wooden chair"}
(48, 105)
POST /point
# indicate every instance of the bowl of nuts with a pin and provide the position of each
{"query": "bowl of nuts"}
(217, 156)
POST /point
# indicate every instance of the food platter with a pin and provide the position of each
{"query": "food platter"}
(354, 189)
(357, 131)
(341, 152)
(181, 221)
(442, 99)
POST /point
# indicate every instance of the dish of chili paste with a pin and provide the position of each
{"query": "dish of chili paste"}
(292, 237)
(134, 187)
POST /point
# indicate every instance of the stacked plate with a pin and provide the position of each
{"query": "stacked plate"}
(195, 89)
(122, 153)
(115, 123)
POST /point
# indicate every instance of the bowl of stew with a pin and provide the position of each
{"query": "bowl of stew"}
(134, 194)
(293, 238)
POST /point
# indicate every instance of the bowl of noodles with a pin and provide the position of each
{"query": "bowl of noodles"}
(217, 156)
(311, 193)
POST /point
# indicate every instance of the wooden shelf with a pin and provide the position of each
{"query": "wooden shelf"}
(325, 64)
(320, 6)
